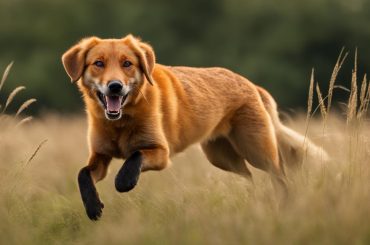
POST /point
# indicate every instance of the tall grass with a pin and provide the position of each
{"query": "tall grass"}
(192, 202)
(10, 98)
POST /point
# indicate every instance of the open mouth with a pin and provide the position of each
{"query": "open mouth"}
(112, 105)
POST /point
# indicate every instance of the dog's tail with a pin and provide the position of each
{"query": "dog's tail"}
(294, 148)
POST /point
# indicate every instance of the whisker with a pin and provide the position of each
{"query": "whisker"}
(144, 96)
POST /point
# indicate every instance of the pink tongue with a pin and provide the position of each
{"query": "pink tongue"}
(113, 103)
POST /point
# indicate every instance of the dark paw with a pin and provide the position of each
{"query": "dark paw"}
(94, 209)
(89, 195)
(128, 175)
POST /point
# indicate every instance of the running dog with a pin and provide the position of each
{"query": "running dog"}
(145, 112)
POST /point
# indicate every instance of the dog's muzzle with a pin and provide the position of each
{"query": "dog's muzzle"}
(113, 100)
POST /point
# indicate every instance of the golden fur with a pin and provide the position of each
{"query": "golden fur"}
(169, 108)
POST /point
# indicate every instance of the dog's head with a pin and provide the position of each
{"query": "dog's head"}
(112, 71)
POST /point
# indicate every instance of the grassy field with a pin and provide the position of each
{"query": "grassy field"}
(191, 202)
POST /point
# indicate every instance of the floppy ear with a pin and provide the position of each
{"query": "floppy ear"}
(146, 56)
(74, 58)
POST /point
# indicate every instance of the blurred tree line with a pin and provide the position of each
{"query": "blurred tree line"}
(273, 43)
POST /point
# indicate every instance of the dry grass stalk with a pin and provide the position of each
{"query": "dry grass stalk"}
(363, 97)
(321, 102)
(12, 95)
(24, 120)
(25, 105)
(309, 109)
(352, 101)
(310, 96)
(5, 74)
(342, 88)
(367, 98)
(334, 75)
(35, 152)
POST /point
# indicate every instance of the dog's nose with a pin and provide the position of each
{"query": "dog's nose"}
(115, 86)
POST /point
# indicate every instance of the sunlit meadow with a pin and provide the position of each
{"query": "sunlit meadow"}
(191, 202)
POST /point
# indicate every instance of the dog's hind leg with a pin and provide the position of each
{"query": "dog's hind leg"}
(95, 171)
(141, 160)
(222, 155)
(253, 137)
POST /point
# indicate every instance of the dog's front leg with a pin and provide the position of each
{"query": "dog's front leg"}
(95, 170)
(141, 160)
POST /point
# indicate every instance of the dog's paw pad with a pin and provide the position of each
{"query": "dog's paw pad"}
(94, 210)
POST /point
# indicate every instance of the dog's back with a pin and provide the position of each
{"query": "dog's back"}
(200, 102)
(209, 98)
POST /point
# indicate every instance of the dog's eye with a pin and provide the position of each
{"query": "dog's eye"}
(99, 63)
(127, 63)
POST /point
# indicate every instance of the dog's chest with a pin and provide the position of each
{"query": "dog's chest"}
(122, 143)
(124, 139)
(118, 145)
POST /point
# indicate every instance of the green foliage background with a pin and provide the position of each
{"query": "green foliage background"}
(273, 43)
